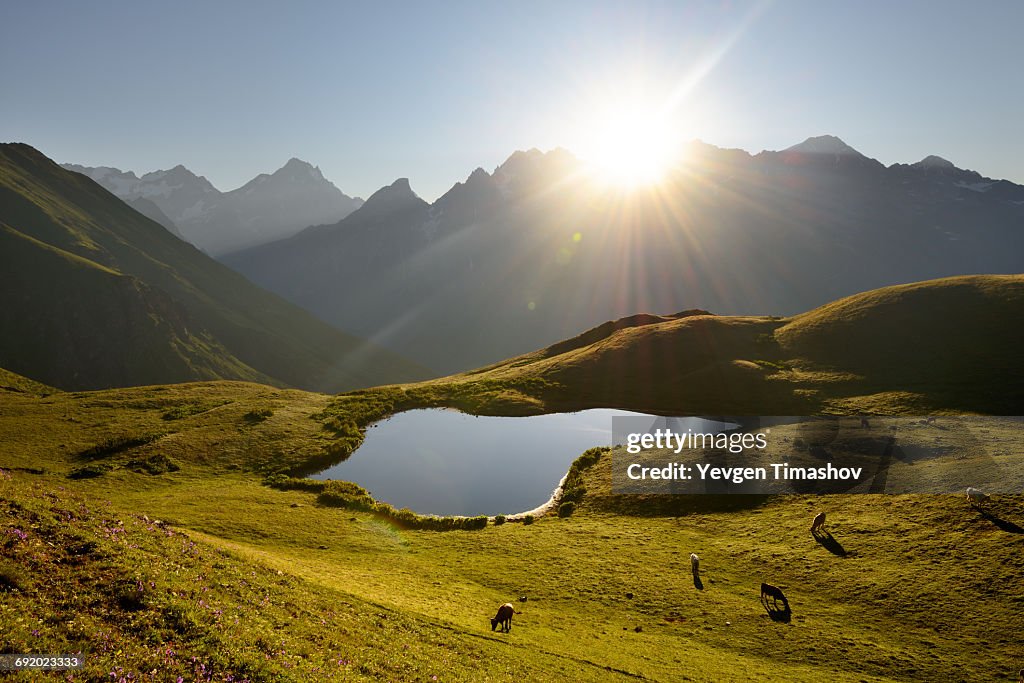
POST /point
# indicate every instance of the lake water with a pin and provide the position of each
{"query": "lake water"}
(444, 462)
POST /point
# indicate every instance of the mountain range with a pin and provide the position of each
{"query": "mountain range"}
(95, 294)
(267, 208)
(513, 260)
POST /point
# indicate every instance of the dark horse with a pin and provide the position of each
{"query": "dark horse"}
(776, 594)
(503, 617)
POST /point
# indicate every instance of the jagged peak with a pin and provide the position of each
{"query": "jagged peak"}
(933, 161)
(477, 175)
(96, 172)
(297, 168)
(178, 170)
(401, 185)
(297, 164)
(823, 144)
(390, 197)
(533, 158)
(534, 155)
(477, 183)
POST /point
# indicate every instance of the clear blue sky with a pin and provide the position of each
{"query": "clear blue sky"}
(372, 91)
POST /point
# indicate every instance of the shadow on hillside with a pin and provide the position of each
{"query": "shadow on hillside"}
(669, 505)
(782, 615)
(1004, 525)
(827, 541)
(697, 583)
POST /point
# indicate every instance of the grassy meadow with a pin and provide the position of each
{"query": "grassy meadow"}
(138, 529)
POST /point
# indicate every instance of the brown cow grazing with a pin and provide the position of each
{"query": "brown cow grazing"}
(503, 617)
(818, 522)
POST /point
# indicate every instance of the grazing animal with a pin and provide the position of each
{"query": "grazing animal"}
(819, 521)
(522, 598)
(694, 565)
(773, 592)
(975, 496)
(503, 617)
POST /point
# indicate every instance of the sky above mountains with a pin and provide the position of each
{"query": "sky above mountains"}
(375, 91)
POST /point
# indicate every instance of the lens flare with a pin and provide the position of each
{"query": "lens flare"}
(630, 146)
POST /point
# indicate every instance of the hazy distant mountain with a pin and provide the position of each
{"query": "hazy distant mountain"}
(824, 144)
(96, 295)
(269, 207)
(510, 261)
(151, 211)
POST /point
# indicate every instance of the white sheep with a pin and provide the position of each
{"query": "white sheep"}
(694, 565)
(975, 496)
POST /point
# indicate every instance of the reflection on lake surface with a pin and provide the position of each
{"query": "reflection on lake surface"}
(443, 462)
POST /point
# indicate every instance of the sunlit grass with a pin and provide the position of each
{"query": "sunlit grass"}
(906, 603)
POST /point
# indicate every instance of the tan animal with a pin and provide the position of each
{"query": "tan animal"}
(695, 565)
(503, 617)
(976, 497)
(818, 522)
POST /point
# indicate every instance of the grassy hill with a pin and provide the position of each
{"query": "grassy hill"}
(942, 345)
(97, 295)
(198, 569)
(10, 381)
(84, 325)
(138, 526)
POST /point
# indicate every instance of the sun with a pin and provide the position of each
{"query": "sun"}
(629, 146)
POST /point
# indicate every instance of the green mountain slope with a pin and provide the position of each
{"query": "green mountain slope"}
(10, 381)
(951, 344)
(252, 581)
(100, 327)
(96, 295)
(136, 530)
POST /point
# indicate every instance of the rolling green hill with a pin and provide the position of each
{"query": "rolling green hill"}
(138, 526)
(173, 556)
(97, 295)
(942, 345)
(10, 381)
